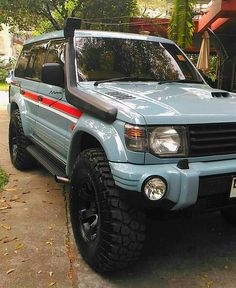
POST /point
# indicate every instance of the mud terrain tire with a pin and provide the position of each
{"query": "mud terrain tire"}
(109, 233)
(18, 142)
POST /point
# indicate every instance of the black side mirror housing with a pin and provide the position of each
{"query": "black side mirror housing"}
(53, 74)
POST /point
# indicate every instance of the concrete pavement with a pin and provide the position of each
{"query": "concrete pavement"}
(35, 240)
(37, 247)
(3, 99)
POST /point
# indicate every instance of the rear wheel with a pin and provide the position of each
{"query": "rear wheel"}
(18, 142)
(109, 233)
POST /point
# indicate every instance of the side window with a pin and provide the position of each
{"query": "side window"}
(31, 61)
(37, 61)
(23, 61)
(56, 52)
(33, 56)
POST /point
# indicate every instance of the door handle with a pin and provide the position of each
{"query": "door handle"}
(40, 98)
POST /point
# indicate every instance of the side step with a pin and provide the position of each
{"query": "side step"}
(54, 166)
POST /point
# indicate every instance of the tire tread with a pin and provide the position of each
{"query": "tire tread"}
(23, 160)
(123, 230)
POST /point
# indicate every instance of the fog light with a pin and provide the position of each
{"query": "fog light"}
(155, 188)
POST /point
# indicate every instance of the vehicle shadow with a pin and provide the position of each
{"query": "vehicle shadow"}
(197, 252)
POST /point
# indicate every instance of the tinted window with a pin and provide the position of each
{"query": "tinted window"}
(23, 61)
(31, 61)
(56, 52)
(104, 58)
(37, 61)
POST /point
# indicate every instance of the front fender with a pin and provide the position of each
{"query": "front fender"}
(106, 134)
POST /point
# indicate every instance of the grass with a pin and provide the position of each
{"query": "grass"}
(4, 87)
(3, 179)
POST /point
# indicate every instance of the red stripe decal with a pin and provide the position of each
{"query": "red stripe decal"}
(30, 95)
(47, 101)
(52, 103)
(68, 109)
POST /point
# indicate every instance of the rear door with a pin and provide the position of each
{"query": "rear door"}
(23, 84)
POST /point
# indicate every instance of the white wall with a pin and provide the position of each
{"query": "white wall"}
(5, 42)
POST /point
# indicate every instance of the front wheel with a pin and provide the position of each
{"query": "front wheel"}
(109, 233)
(229, 214)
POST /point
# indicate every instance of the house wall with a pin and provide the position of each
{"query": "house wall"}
(5, 42)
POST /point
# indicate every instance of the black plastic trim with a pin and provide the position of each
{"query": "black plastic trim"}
(48, 161)
(183, 164)
(139, 200)
(71, 23)
(82, 100)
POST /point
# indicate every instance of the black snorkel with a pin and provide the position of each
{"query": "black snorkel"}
(82, 100)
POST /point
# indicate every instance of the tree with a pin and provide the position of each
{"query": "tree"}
(147, 5)
(182, 26)
(46, 15)
(101, 12)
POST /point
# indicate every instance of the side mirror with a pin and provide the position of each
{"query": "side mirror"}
(53, 74)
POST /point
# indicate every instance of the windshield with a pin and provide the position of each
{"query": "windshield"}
(106, 58)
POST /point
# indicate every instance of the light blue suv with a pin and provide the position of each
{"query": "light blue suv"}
(130, 124)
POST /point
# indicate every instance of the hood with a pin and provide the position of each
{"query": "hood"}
(172, 103)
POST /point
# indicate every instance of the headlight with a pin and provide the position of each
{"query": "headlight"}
(168, 140)
(164, 141)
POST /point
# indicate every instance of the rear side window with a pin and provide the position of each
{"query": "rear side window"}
(31, 61)
(23, 61)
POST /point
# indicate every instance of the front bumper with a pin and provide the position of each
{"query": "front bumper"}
(183, 185)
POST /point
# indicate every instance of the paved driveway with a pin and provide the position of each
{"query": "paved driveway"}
(37, 248)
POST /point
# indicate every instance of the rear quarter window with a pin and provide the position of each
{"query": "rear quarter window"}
(31, 61)
(23, 61)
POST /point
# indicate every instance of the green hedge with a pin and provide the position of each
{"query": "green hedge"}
(3, 179)
(5, 68)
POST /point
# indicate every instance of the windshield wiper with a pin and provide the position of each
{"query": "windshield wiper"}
(180, 81)
(127, 78)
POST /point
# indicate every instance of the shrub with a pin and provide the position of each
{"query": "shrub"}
(3, 179)
(5, 67)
